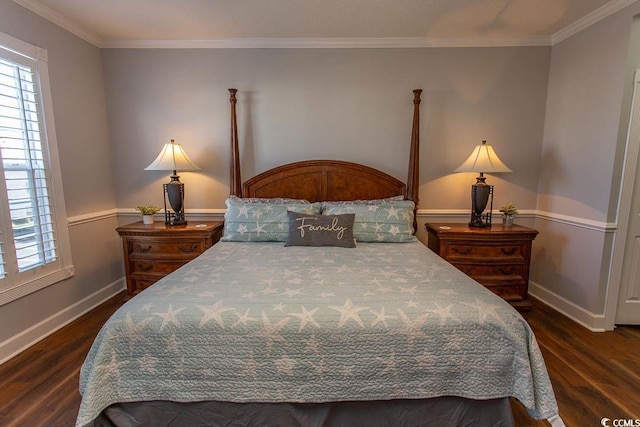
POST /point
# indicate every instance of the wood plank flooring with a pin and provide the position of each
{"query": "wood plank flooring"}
(39, 387)
(594, 375)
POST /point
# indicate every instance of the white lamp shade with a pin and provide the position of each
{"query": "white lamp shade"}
(172, 158)
(483, 159)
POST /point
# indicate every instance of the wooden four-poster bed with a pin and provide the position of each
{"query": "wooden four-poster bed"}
(276, 327)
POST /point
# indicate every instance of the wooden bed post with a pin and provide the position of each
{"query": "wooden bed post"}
(235, 184)
(413, 180)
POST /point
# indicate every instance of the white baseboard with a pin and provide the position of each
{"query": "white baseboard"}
(593, 322)
(43, 329)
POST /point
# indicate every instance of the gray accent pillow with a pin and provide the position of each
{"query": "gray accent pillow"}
(320, 230)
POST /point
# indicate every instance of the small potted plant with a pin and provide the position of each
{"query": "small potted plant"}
(147, 212)
(509, 211)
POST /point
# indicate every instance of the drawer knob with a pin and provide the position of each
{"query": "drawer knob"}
(508, 251)
(140, 248)
(507, 271)
(188, 249)
(144, 267)
(461, 251)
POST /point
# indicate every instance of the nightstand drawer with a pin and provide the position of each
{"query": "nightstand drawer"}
(151, 247)
(139, 284)
(460, 250)
(154, 267)
(506, 271)
(153, 251)
(507, 292)
(498, 257)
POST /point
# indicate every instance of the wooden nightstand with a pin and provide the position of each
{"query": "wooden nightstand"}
(153, 251)
(498, 257)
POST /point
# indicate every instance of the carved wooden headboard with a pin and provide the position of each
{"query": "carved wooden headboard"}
(323, 180)
(326, 180)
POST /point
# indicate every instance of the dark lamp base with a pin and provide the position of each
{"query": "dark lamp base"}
(176, 222)
(481, 199)
(174, 197)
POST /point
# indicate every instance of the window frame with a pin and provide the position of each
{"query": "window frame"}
(18, 284)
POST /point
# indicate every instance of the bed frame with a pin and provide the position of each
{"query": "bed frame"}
(323, 180)
(327, 180)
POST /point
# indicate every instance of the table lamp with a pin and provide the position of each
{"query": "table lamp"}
(482, 159)
(172, 157)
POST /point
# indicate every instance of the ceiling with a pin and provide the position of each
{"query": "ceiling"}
(323, 23)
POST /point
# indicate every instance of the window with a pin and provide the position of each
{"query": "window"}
(34, 238)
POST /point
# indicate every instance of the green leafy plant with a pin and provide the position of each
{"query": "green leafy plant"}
(148, 209)
(509, 209)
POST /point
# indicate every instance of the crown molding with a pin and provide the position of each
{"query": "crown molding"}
(61, 21)
(325, 43)
(276, 43)
(322, 43)
(590, 19)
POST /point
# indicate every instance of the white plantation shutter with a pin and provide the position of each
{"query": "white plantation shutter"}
(33, 240)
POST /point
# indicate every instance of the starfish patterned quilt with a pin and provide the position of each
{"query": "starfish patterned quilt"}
(260, 322)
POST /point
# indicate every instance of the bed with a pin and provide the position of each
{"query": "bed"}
(286, 323)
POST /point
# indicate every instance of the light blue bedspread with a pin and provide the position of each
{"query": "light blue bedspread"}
(249, 322)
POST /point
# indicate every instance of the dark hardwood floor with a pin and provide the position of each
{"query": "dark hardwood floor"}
(39, 387)
(594, 375)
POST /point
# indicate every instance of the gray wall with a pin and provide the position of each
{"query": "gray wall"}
(583, 110)
(75, 70)
(347, 104)
(590, 81)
